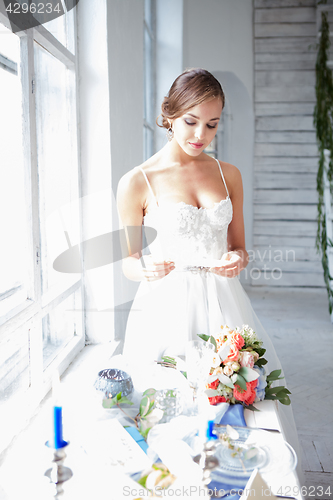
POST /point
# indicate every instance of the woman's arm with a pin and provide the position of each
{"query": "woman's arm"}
(131, 199)
(237, 256)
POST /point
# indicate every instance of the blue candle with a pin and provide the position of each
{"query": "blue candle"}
(57, 440)
(57, 423)
(211, 434)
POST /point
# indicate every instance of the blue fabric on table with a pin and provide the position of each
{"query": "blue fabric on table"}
(138, 438)
(234, 416)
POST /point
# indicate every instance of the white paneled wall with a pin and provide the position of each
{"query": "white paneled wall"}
(285, 193)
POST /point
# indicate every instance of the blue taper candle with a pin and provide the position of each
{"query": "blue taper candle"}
(58, 441)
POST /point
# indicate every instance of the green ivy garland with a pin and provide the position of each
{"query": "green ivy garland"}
(323, 120)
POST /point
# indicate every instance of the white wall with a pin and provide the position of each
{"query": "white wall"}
(125, 59)
(218, 36)
(110, 41)
(94, 136)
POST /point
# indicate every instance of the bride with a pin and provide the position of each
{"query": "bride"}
(189, 277)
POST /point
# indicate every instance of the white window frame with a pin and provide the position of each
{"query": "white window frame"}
(147, 125)
(38, 305)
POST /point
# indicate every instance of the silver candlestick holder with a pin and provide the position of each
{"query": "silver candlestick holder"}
(58, 473)
(206, 461)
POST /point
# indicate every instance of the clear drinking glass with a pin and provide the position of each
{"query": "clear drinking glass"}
(170, 401)
(199, 360)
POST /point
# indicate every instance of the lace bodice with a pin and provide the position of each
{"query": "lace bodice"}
(188, 235)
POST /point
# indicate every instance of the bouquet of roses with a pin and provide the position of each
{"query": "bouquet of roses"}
(238, 374)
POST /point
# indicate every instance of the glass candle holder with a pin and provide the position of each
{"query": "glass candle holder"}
(170, 401)
(111, 381)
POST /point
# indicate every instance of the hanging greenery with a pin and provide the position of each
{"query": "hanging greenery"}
(323, 120)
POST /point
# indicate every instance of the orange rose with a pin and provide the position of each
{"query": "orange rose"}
(237, 340)
(247, 396)
(233, 354)
(214, 384)
(217, 399)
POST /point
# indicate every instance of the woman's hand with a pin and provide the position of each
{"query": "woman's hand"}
(155, 269)
(232, 263)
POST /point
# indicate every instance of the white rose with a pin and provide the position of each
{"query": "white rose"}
(228, 371)
(216, 361)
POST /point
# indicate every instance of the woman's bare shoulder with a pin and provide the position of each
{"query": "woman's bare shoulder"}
(232, 176)
(229, 168)
(134, 179)
(230, 171)
(132, 182)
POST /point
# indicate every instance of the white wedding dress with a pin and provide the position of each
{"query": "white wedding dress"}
(191, 300)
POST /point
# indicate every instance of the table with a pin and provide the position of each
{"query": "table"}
(96, 464)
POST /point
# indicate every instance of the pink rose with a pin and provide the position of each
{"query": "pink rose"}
(246, 359)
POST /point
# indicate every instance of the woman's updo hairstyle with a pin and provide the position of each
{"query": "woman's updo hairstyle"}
(190, 89)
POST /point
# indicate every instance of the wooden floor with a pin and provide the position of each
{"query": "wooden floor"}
(299, 325)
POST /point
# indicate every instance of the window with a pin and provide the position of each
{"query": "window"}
(41, 319)
(149, 79)
(219, 147)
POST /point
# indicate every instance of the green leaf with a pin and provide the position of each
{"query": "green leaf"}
(168, 359)
(271, 390)
(225, 380)
(144, 406)
(210, 393)
(118, 396)
(213, 341)
(275, 390)
(108, 403)
(203, 336)
(145, 433)
(124, 400)
(285, 401)
(260, 350)
(274, 375)
(151, 406)
(149, 392)
(142, 481)
(150, 409)
(248, 374)
(261, 362)
(241, 381)
(251, 407)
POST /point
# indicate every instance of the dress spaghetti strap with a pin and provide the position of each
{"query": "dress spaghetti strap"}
(149, 186)
(225, 184)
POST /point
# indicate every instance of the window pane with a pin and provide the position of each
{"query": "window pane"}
(60, 326)
(9, 44)
(14, 250)
(149, 91)
(58, 28)
(14, 364)
(148, 16)
(62, 28)
(148, 138)
(211, 149)
(57, 163)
